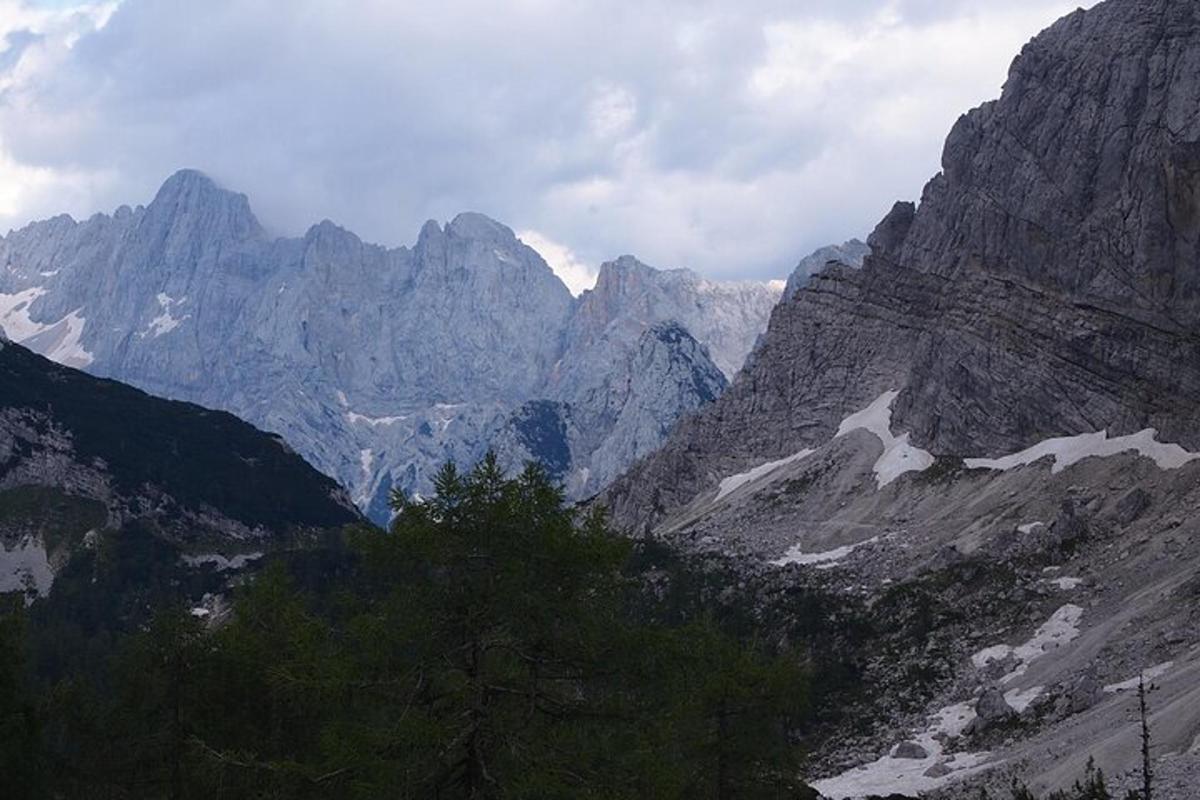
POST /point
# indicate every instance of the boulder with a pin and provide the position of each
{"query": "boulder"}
(909, 750)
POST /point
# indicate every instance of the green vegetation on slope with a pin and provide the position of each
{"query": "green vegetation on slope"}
(493, 644)
(200, 458)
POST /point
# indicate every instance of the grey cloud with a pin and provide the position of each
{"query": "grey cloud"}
(609, 127)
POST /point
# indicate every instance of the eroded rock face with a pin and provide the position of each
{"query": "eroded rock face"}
(1046, 284)
(378, 365)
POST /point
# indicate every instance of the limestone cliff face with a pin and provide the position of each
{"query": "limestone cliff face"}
(378, 365)
(1045, 285)
(624, 397)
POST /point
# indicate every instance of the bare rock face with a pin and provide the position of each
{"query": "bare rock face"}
(629, 297)
(1046, 284)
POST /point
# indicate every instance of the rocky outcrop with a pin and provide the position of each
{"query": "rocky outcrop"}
(629, 297)
(1045, 285)
(851, 254)
(378, 365)
(620, 407)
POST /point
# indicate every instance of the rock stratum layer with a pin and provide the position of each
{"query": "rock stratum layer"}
(1045, 285)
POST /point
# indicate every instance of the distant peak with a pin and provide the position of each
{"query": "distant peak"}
(324, 228)
(622, 266)
(187, 175)
(628, 272)
(188, 182)
(194, 186)
(629, 262)
(473, 225)
(191, 195)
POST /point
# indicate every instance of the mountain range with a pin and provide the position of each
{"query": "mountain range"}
(378, 365)
(973, 439)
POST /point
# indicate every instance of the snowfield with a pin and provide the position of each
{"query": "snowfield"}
(889, 774)
(825, 560)
(898, 456)
(1132, 683)
(26, 566)
(735, 482)
(1060, 629)
(1068, 450)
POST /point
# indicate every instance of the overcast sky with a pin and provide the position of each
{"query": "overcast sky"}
(731, 137)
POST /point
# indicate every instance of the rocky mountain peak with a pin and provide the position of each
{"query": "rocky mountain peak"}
(892, 230)
(325, 229)
(190, 211)
(628, 275)
(331, 240)
(473, 225)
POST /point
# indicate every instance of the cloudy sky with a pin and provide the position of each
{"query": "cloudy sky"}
(732, 137)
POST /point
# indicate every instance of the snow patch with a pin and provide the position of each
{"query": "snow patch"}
(735, 482)
(1030, 527)
(220, 562)
(26, 567)
(889, 775)
(503, 257)
(898, 456)
(366, 458)
(1148, 675)
(59, 341)
(1068, 450)
(1067, 584)
(165, 322)
(825, 560)
(1060, 629)
(359, 419)
(1020, 699)
(14, 314)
